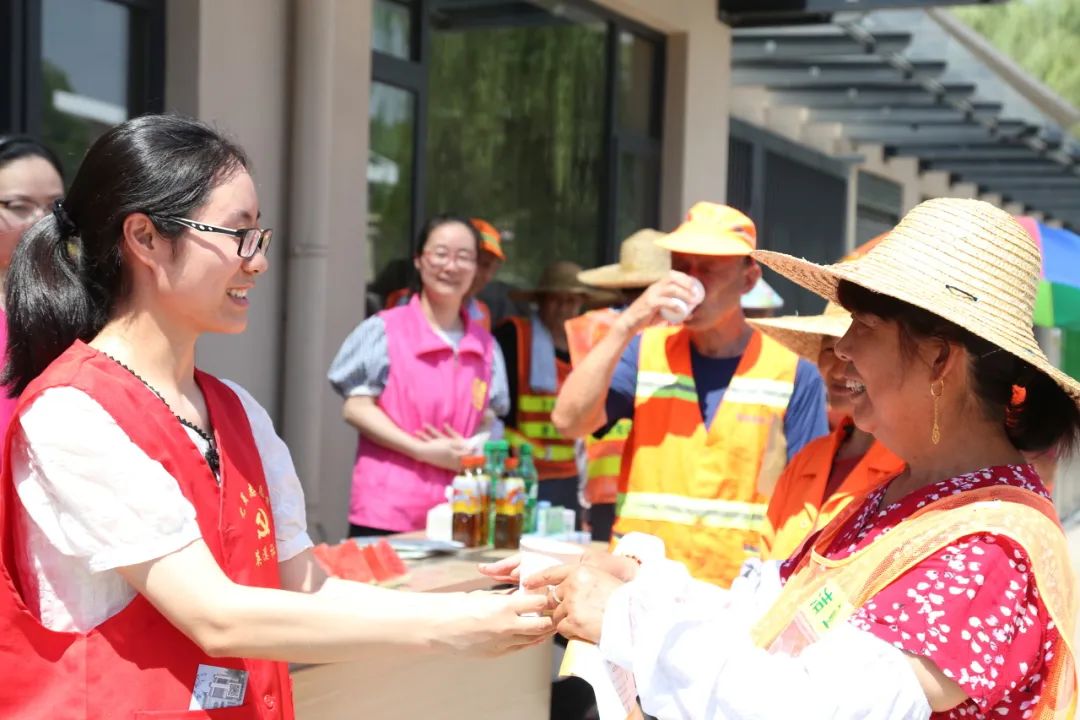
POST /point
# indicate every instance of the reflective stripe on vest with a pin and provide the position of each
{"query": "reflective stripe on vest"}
(555, 455)
(605, 466)
(757, 391)
(683, 510)
(703, 489)
(665, 385)
(748, 391)
(536, 403)
(604, 462)
(537, 430)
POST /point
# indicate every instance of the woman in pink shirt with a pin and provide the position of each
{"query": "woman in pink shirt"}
(421, 383)
(31, 180)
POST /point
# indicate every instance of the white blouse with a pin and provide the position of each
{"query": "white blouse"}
(93, 501)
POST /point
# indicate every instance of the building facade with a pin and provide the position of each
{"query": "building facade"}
(568, 124)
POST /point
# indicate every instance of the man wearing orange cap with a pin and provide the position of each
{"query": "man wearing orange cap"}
(717, 407)
(488, 262)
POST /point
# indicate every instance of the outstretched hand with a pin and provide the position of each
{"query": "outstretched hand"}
(508, 570)
(577, 597)
(484, 623)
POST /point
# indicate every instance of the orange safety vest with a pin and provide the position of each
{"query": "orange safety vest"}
(478, 307)
(704, 490)
(822, 592)
(555, 456)
(604, 463)
(798, 507)
(604, 455)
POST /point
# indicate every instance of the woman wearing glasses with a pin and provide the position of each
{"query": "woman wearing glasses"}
(31, 179)
(154, 558)
(420, 382)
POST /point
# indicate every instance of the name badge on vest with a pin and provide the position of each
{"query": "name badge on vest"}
(821, 612)
(479, 393)
(218, 687)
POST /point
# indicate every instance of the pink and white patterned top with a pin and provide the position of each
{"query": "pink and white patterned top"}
(972, 608)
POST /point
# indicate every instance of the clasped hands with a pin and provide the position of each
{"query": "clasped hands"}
(577, 594)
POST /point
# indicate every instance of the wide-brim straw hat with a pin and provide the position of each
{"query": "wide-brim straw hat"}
(963, 260)
(641, 263)
(802, 334)
(561, 276)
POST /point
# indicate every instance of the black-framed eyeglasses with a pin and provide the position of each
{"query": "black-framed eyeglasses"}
(26, 210)
(251, 240)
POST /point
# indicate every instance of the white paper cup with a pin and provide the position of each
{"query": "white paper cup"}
(675, 311)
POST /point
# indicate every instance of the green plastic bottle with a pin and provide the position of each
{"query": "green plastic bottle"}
(527, 470)
(495, 454)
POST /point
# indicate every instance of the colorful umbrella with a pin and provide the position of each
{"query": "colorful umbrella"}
(1058, 301)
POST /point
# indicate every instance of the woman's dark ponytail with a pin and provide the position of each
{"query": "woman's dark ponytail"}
(48, 303)
(67, 274)
(1040, 415)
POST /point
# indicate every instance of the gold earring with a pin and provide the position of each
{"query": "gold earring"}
(935, 432)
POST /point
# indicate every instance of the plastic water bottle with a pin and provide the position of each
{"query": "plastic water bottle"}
(495, 454)
(527, 470)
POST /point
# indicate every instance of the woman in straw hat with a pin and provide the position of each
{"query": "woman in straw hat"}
(831, 470)
(947, 592)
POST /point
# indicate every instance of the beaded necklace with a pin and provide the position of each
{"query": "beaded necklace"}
(211, 454)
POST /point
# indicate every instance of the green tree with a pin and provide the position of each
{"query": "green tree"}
(1041, 35)
(515, 135)
(68, 136)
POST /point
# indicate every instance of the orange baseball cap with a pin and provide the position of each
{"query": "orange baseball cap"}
(490, 239)
(712, 229)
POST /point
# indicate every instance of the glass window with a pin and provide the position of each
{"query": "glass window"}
(515, 134)
(637, 68)
(637, 207)
(85, 68)
(392, 29)
(390, 188)
(636, 101)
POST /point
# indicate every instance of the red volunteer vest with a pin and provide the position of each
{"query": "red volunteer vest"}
(137, 664)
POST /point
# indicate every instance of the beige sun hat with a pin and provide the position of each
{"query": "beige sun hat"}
(641, 263)
(802, 334)
(963, 260)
